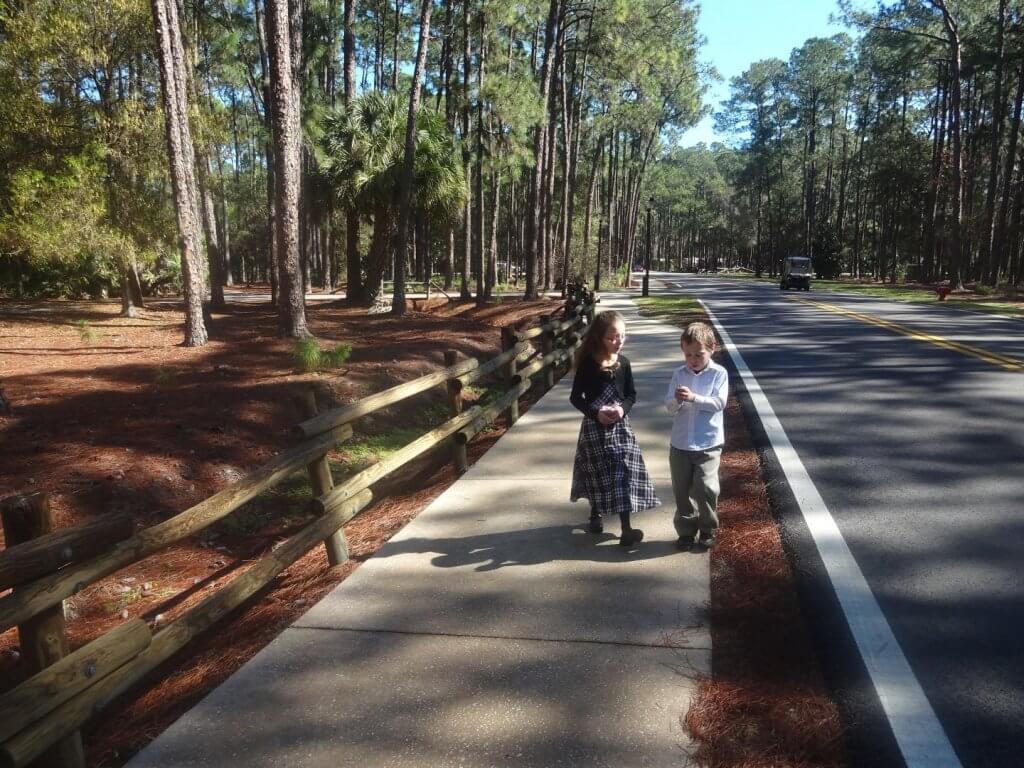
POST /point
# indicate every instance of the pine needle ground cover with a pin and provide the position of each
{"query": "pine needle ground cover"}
(765, 704)
(123, 418)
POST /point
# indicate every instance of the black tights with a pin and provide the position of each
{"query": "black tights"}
(623, 517)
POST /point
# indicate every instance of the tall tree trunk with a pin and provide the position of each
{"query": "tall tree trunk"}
(354, 290)
(285, 109)
(214, 253)
(953, 36)
(594, 166)
(990, 269)
(181, 157)
(932, 195)
(268, 152)
(534, 232)
(479, 246)
(406, 180)
(467, 160)
(492, 249)
(999, 249)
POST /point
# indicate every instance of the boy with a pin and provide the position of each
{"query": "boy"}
(696, 398)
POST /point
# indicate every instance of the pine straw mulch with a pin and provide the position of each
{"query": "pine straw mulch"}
(766, 704)
(111, 414)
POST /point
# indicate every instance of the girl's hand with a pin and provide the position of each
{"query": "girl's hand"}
(609, 414)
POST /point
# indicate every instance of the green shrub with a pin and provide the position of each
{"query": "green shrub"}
(163, 376)
(622, 275)
(333, 358)
(310, 358)
(307, 355)
(86, 331)
(984, 290)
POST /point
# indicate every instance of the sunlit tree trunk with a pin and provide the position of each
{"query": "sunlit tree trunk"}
(406, 180)
(284, 110)
(181, 157)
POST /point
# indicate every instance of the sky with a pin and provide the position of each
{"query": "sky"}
(739, 32)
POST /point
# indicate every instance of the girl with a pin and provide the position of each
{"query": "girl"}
(609, 470)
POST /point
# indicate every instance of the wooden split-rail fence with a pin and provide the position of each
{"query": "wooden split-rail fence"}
(41, 717)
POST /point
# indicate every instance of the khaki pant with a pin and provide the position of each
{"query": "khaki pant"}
(696, 487)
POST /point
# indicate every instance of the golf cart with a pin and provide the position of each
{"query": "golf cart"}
(796, 273)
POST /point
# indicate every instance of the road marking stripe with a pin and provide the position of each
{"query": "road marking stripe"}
(921, 738)
(1009, 363)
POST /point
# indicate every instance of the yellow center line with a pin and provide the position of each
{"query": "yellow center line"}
(1009, 363)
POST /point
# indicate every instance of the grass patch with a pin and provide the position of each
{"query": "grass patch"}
(357, 455)
(678, 310)
(309, 357)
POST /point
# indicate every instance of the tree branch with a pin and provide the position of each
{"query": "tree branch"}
(927, 35)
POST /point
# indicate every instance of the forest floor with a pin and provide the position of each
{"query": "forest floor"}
(111, 414)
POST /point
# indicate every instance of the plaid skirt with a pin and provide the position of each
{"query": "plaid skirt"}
(609, 470)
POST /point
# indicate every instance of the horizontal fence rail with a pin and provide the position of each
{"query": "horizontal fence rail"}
(41, 716)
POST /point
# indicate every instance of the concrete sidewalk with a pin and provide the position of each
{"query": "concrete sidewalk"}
(493, 630)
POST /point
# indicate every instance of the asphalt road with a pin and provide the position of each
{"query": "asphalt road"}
(911, 431)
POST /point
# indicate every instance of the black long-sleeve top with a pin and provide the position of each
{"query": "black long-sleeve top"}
(590, 379)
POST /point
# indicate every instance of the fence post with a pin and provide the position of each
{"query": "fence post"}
(322, 482)
(508, 341)
(42, 638)
(569, 339)
(547, 346)
(459, 453)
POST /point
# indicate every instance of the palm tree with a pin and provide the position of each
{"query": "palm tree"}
(361, 154)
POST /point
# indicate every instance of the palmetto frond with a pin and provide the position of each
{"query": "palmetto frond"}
(362, 150)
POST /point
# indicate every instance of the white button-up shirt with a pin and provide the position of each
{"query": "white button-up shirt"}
(700, 425)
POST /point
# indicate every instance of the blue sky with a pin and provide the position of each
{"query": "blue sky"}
(739, 32)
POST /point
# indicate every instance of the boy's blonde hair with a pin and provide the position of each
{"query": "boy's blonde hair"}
(699, 332)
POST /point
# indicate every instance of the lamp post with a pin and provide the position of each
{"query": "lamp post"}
(647, 267)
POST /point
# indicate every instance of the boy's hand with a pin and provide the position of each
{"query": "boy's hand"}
(684, 395)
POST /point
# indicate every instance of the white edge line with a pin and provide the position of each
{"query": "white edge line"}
(921, 738)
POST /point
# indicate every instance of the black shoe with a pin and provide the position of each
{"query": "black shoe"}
(595, 525)
(706, 540)
(684, 543)
(630, 537)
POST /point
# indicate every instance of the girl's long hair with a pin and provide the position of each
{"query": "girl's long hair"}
(594, 337)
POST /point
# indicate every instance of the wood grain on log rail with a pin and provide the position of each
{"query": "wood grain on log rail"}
(492, 412)
(347, 413)
(24, 747)
(46, 690)
(540, 363)
(22, 563)
(532, 333)
(42, 637)
(553, 326)
(565, 325)
(495, 363)
(342, 493)
(31, 598)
